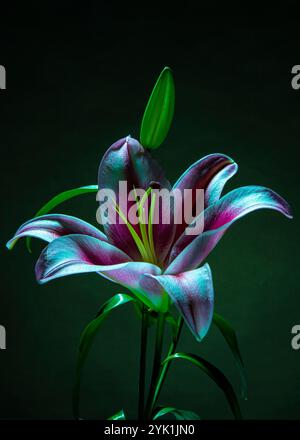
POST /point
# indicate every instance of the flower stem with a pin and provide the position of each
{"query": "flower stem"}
(156, 361)
(165, 367)
(144, 337)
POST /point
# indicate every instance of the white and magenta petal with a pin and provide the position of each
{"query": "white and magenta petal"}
(208, 174)
(216, 185)
(76, 254)
(132, 277)
(193, 294)
(190, 251)
(127, 161)
(51, 226)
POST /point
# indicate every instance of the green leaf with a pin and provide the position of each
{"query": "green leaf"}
(179, 414)
(230, 336)
(215, 374)
(159, 111)
(58, 199)
(118, 416)
(87, 338)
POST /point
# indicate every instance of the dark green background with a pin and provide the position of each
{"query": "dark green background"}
(77, 80)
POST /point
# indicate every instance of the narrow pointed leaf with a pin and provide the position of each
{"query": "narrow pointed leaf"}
(159, 111)
(230, 336)
(118, 416)
(87, 338)
(60, 198)
(216, 375)
(179, 414)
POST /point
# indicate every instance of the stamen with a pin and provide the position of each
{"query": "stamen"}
(134, 235)
(150, 223)
(145, 245)
(142, 222)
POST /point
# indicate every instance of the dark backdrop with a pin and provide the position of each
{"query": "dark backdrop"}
(77, 80)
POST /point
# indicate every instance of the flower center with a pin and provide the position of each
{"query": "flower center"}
(144, 241)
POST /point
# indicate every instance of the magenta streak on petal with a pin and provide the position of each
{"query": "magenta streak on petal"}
(190, 251)
(74, 254)
(209, 174)
(51, 226)
(192, 293)
(163, 234)
(126, 160)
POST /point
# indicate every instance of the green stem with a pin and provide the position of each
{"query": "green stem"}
(144, 337)
(156, 361)
(165, 367)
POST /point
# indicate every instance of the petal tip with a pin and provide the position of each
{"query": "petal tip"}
(11, 243)
(289, 213)
(286, 209)
(206, 267)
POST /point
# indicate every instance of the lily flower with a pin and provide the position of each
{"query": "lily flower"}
(161, 263)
